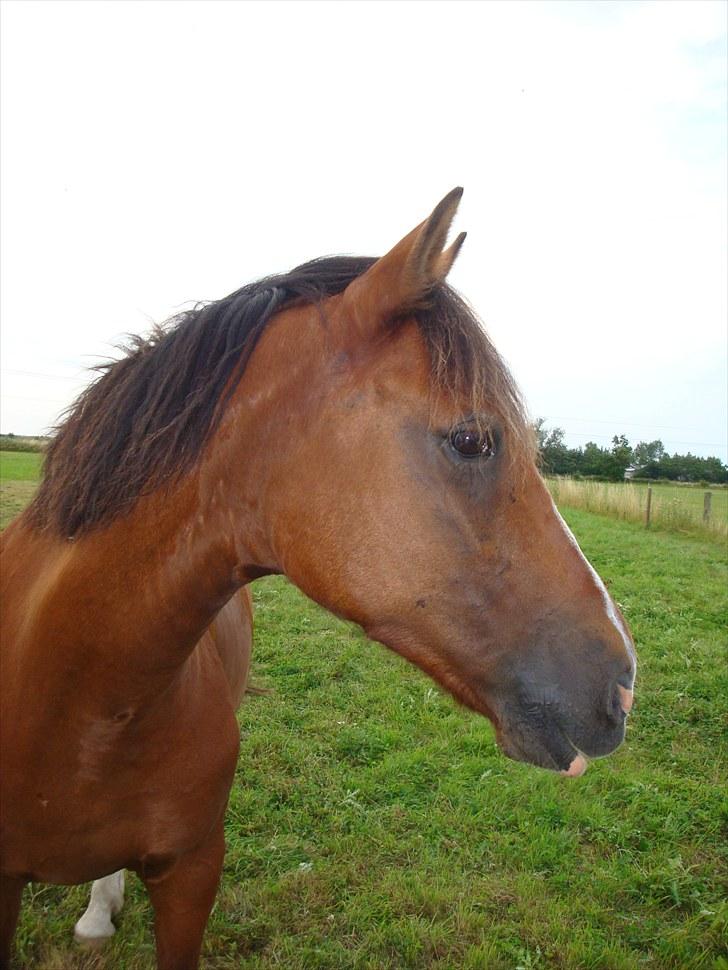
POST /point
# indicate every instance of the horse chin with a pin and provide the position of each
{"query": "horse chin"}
(553, 751)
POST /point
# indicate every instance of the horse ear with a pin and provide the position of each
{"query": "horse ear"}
(400, 280)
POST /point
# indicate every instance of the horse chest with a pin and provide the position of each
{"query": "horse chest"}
(117, 792)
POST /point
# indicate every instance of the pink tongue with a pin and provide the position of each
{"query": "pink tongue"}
(576, 768)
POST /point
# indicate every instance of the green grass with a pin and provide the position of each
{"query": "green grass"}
(17, 466)
(374, 824)
(19, 473)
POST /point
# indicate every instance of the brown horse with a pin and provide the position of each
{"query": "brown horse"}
(349, 425)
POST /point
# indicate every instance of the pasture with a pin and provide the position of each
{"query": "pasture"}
(19, 472)
(20, 466)
(674, 507)
(374, 824)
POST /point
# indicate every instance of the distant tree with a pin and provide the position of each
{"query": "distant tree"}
(555, 438)
(649, 470)
(647, 451)
(650, 457)
(541, 431)
(714, 471)
(595, 460)
(640, 454)
(556, 458)
(686, 468)
(620, 457)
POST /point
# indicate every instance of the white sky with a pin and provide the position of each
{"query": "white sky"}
(155, 153)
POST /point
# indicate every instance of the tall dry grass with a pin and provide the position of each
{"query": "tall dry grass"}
(625, 500)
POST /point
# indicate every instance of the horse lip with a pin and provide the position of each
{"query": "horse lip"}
(577, 767)
(579, 763)
(517, 752)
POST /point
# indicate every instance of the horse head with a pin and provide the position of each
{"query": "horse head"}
(398, 487)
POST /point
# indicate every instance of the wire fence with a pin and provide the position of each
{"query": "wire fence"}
(671, 506)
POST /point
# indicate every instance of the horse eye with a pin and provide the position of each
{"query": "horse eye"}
(471, 443)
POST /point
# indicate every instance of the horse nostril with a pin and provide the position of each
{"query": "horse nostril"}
(626, 698)
(620, 703)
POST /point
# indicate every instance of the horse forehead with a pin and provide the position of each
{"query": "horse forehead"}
(396, 363)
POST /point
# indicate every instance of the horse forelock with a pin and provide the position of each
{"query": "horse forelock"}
(467, 368)
(145, 420)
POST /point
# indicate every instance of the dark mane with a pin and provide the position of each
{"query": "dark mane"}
(145, 420)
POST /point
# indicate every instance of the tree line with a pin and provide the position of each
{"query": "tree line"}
(648, 459)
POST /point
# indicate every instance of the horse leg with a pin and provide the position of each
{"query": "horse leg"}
(107, 898)
(182, 899)
(11, 892)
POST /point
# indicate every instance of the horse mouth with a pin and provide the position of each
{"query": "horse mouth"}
(554, 750)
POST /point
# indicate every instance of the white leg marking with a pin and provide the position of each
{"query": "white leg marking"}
(107, 898)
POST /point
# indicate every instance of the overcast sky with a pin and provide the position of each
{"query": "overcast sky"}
(156, 153)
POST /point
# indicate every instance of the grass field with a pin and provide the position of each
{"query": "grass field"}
(374, 824)
(19, 466)
(691, 495)
(19, 472)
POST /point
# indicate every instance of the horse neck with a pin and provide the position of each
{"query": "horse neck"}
(138, 593)
(155, 578)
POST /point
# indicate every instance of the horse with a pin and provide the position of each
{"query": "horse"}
(349, 425)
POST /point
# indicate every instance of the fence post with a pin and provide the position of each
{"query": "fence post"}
(706, 506)
(649, 507)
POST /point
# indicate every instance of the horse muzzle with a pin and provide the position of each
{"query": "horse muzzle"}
(560, 728)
